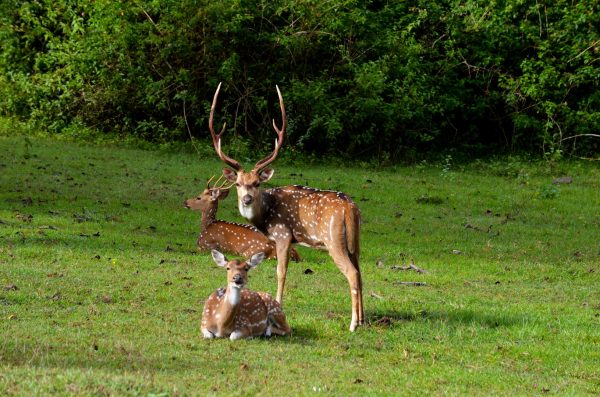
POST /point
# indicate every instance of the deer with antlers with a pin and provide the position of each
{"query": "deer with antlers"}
(231, 237)
(321, 219)
(235, 311)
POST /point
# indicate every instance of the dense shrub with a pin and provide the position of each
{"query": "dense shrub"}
(366, 78)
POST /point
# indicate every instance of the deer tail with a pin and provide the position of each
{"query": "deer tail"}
(352, 223)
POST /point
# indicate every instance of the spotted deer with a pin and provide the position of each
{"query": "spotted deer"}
(244, 240)
(235, 311)
(321, 219)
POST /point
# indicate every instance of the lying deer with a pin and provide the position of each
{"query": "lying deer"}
(320, 219)
(235, 311)
(244, 240)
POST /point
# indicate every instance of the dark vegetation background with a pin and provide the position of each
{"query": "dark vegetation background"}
(382, 80)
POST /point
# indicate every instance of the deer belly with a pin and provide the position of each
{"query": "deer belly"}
(309, 240)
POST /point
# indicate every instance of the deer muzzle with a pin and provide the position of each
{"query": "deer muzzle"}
(247, 199)
(238, 280)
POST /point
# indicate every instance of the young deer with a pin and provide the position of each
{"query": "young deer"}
(235, 311)
(296, 214)
(244, 240)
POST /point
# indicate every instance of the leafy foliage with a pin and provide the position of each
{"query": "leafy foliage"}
(366, 78)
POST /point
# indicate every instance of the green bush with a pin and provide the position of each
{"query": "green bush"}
(368, 79)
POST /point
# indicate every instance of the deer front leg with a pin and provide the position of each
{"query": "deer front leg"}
(282, 243)
(207, 334)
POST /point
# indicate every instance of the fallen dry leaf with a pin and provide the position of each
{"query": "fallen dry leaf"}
(384, 321)
(565, 180)
(411, 283)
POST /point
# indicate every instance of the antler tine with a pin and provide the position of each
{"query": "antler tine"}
(223, 184)
(217, 137)
(217, 181)
(280, 134)
(208, 182)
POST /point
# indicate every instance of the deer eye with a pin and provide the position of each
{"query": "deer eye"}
(238, 184)
(227, 267)
(256, 184)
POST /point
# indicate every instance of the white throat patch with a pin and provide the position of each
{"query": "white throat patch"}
(234, 296)
(247, 211)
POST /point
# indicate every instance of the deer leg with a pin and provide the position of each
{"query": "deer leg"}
(354, 281)
(207, 334)
(283, 252)
(278, 331)
(361, 314)
(235, 335)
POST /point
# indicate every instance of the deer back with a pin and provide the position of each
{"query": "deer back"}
(235, 238)
(317, 218)
(239, 239)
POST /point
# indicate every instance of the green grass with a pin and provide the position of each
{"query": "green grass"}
(110, 286)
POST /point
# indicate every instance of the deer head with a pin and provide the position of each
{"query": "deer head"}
(248, 183)
(209, 197)
(237, 271)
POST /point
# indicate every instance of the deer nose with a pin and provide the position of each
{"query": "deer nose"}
(185, 204)
(247, 199)
(238, 279)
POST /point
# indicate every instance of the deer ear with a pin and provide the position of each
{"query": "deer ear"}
(256, 259)
(219, 258)
(266, 174)
(230, 175)
(223, 193)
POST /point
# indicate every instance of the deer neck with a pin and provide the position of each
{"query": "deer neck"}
(259, 213)
(209, 216)
(229, 306)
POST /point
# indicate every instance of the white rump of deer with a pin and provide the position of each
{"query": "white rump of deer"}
(231, 237)
(321, 219)
(235, 311)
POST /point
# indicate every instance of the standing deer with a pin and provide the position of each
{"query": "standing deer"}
(321, 219)
(235, 311)
(238, 239)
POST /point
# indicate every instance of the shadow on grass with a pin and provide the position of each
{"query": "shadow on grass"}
(302, 335)
(452, 318)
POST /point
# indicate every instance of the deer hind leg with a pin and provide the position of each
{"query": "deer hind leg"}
(361, 314)
(278, 322)
(352, 273)
(279, 331)
(237, 334)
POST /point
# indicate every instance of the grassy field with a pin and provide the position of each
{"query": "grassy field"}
(101, 287)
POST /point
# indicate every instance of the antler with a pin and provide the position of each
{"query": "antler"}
(278, 141)
(208, 182)
(217, 137)
(221, 187)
